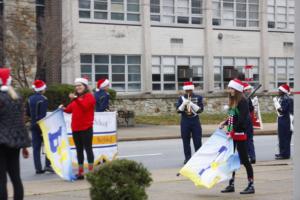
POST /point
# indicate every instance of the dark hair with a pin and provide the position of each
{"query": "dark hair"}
(86, 90)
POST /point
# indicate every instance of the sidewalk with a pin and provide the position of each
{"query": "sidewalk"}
(273, 181)
(152, 132)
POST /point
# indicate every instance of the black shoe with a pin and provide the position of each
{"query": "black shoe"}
(229, 188)
(277, 155)
(282, 158)
(79, 177)
(40, 171)
(185, 161)
(252, 160)
(248, 190)
(49, 169)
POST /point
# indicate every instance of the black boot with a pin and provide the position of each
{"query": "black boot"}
(249, 189)
(230, 187)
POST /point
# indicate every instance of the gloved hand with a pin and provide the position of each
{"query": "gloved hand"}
(195, 107)
(185, 102)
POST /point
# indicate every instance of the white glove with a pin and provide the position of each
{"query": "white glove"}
(276, 103)
(194, 107)
(225, 108)
(185, 102)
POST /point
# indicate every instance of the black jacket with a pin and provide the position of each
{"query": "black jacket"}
(12, 128)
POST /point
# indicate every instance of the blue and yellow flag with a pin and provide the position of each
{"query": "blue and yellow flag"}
(57, 144)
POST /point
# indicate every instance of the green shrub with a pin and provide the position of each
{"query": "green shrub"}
(119, 180)
(57, 94)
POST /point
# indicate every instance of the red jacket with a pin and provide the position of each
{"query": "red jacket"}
(82, 109)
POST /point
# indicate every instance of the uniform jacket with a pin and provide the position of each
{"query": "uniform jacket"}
(102, 100)
(12, 128)
(196, 99)
(82, 109)
(36, 108)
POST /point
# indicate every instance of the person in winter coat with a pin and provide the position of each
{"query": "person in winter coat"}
(102, 96)
(13, 137)
(236, 129)
(82, 107)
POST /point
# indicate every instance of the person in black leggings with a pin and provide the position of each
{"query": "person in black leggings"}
(236, 129)
(13, 137)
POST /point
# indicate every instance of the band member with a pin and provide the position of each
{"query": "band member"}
(284, 106)
(36, 109)
(190, 105)
(249, 129)
(102, 96)
(236, 129)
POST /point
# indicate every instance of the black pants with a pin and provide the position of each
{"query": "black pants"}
(10, 163)
(83, 141)
(242, 149)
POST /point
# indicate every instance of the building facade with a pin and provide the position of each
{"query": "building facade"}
(153, 46)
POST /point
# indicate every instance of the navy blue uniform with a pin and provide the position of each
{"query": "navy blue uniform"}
(102, 100)
(36, 109)
(284, 126)
(190, 126)
(249, 132)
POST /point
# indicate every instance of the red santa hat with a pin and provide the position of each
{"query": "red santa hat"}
(247, 86)
(284, 88)
(5, 79)
(39, 85)
(81, 81)
(237, 85)
(188, 86)
(102, 83)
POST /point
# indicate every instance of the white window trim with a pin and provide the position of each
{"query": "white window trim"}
(162, 82)
(126, 82)
(175, 15)
(109, 11)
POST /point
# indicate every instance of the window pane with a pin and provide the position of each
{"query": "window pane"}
(118, 69)
(133, 17)
(196, 20)
(134, 77)
(118, 77)
(134, 69)
(155, 77)
(134, 60)
(169, 77)
(183, 61)
(84, 14)
(117, 16)
(169, 86)
(118, 59)
(85, 4)
(100, 15)
(87, 76)
(100, 5)
(134, 86)
(155, 69)
(101, 59)
(101, 68)
(86, 69)
(86, 58)
(101, 76)
(117, 7)
(118, 87)
(168, 60)
(156, 87)
(169, 70)
(133, 7)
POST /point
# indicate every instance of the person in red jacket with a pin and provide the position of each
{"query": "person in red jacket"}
(236, 129)
(82, 107)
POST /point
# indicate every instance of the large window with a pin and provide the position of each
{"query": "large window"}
(177, 11)
(281, 14)
(169, 72)
(114, 10)
(221, 63)
(1, 34)
(236, 13)
(124, 71)
(281, 71)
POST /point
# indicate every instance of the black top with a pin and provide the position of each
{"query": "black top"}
(12, 128)
(240, 121)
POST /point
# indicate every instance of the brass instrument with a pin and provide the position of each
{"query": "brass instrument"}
(277, 105)
(188, 106)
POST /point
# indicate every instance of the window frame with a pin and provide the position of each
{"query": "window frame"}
(126, 81)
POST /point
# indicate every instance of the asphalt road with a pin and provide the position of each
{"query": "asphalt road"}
(158, 154)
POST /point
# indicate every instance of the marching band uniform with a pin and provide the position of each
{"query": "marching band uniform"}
(102, 96)
(249, 129)
(36, 109)
(284, 108)
(190, 105)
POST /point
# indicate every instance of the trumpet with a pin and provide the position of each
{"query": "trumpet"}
(188, 106)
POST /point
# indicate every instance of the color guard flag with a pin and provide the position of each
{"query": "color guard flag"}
(214, 162)
(57, 144)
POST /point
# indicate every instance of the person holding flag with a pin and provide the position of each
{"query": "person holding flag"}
(102, 96)
(284, 107)
(236, 129)
(82, 107)
(189, 106)
(36, 109)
